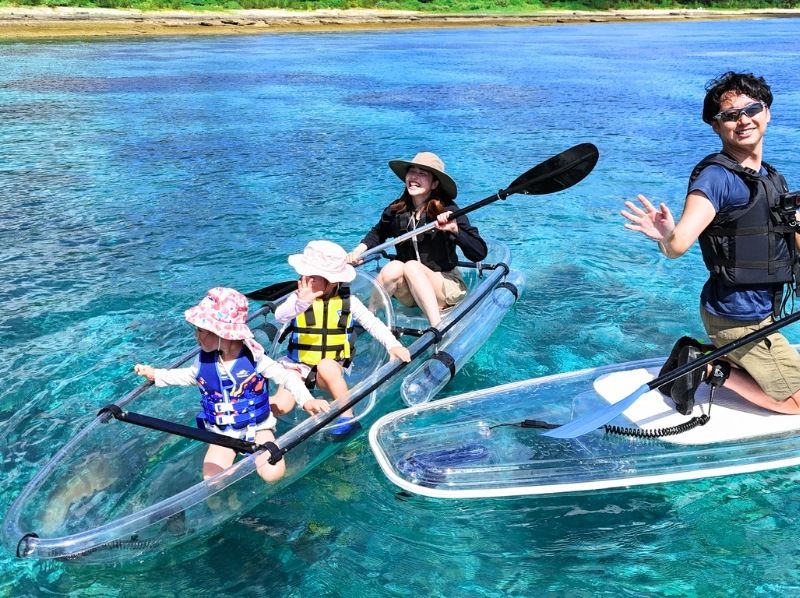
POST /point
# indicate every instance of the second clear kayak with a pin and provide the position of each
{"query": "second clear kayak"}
(489, 443)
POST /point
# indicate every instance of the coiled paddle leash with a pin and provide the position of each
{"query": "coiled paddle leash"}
(719, 373)
(622, 430)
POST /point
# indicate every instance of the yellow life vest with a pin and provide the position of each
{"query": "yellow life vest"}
(324, 330)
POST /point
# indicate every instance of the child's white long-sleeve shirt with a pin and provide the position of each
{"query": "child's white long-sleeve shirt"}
(265, 366)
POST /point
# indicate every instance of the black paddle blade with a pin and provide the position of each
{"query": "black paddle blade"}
(557, 173)
(273, 291)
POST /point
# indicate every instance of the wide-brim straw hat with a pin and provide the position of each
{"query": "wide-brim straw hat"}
(430, 162)
(222, 311)
(323, 258)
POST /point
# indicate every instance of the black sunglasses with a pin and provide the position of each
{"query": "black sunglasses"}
(729, 116)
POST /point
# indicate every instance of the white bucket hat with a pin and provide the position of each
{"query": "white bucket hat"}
(323, 258)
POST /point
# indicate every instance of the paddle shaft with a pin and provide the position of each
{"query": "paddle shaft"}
(502, 194)
(429, 337)
(162, 425)
(554, 174)
(596, 419)
(722, 351)
(279, 290)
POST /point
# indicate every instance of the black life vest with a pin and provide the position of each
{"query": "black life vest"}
(753, 244)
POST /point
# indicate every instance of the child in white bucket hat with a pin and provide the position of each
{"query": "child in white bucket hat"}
(231, 372)
(322, 312)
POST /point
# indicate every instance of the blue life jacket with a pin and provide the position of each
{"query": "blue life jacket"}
(238, 403)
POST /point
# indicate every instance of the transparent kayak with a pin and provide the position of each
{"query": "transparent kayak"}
(488, 443)
(118, 491)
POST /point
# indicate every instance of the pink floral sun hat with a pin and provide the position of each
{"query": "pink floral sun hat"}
(323, 258)
(223, 311)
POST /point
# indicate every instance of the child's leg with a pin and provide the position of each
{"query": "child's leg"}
(282, 401)
(217, 460)
(268, 471)
(330, 378)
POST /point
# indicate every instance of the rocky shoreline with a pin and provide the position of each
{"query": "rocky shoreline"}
(62, 22)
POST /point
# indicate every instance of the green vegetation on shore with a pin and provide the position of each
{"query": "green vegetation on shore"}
(435, 6)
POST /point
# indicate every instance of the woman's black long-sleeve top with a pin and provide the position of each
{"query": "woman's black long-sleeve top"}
(437, 249)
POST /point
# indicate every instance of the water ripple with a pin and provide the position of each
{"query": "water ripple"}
(139, 173)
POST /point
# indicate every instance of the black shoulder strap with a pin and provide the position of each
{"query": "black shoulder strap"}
(724, 160)
(344, 295)
(776, 177)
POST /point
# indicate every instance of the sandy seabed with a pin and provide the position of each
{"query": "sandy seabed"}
(62, 22)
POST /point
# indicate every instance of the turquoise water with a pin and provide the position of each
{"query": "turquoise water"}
(135, 174)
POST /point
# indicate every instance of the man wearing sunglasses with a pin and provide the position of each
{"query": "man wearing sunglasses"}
(737, 208)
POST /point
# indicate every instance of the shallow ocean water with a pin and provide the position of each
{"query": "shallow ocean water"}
(138, 173)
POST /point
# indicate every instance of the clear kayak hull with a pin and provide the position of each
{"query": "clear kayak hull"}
(476, 445)
(117, 491)
(421, 385)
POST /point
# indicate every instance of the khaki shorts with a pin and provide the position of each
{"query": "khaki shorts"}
(454, 288)
(771, 361)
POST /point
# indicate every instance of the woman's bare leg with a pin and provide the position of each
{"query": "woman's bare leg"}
(415, 284)
(393, 281)
(425, 286)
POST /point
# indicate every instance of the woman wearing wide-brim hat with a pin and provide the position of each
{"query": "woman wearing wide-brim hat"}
(425, 272)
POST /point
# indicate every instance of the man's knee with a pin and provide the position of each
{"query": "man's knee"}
(792, 404)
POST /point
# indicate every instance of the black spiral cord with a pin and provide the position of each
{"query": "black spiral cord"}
(658, 432)
(650, 433)
(719, 375)
(701, 420)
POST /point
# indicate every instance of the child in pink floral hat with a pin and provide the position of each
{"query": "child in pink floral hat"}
(322, 312)
(231, 372)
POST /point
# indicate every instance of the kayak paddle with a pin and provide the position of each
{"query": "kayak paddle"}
(554, 174)
(592, 421)
(273, 291)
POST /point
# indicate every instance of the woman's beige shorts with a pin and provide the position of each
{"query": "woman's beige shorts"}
(454, 288)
